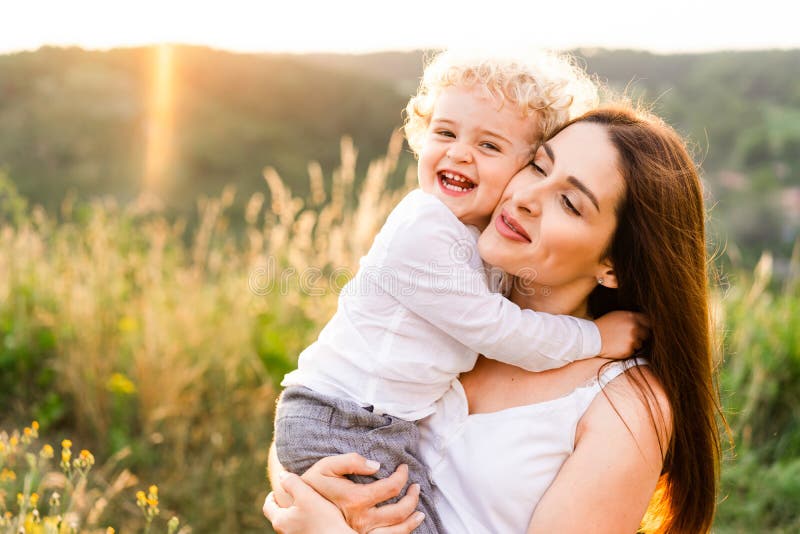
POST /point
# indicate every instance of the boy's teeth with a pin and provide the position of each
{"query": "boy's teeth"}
(455, 187)
(451, 176)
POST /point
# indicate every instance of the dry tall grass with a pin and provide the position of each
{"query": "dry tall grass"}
(171, 347)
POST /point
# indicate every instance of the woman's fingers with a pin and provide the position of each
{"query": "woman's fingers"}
(327, 478)
(309, 511)
(295, 486)
(396, 513)
(386, 488)
(345, 464)
(406, 527)
(270, 508)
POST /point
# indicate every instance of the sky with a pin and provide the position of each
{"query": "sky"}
(373, 25)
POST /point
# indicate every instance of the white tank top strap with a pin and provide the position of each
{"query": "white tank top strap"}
(586, 394)
(613, 370)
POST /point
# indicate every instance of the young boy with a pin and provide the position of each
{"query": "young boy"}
(420, 310)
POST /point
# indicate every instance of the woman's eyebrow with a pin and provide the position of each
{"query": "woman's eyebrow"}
(586, 191)
(549, 150)
(571, 179)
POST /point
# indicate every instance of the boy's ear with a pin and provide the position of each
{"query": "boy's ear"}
(607, 274)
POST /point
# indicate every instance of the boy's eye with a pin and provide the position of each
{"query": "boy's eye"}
(490, 146)
(445, 133)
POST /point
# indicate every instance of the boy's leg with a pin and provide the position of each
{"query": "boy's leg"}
(395, 442)
(303, 431)
(310, 426)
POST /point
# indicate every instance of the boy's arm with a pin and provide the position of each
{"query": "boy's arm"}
(436, 273)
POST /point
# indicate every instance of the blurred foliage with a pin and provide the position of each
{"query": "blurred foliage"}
(75, 120)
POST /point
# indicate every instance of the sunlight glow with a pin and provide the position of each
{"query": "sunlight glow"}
(160, 117)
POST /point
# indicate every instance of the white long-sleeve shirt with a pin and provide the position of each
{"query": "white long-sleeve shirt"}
(419, 311)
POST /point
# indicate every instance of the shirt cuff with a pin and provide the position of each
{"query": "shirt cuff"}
(590, 335)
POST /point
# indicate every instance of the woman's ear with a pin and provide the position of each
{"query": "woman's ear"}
(607, 276)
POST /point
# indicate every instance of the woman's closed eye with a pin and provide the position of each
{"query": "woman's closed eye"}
(567, 203)
(536, 168)
(445, 133)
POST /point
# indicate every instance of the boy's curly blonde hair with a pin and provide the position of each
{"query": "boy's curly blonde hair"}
(540, 82)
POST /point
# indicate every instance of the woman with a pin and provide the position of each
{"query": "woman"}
(609, 215)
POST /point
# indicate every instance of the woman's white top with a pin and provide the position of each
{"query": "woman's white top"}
(417, 314)
(490, 470)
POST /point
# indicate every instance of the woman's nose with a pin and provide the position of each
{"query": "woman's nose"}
(528, 200)
(459, 153)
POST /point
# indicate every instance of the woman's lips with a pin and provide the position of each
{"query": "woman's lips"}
(508, 227)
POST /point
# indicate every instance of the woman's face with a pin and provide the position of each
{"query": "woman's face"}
(556, 216)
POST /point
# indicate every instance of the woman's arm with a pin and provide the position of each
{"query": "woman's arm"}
(357, 502)
(606, 484)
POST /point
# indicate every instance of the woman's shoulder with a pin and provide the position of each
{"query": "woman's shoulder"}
(632, 404)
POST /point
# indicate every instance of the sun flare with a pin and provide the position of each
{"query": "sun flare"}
(159, 125)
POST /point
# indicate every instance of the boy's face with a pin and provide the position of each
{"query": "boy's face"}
(473, 146)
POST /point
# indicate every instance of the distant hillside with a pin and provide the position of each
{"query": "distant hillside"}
(77, 120)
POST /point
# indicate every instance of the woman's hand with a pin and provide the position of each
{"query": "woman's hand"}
(358, 502)
(309, 512)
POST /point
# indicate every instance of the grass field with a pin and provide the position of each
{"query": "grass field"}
(158, 345)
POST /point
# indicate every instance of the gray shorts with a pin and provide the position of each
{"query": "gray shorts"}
(310, 426)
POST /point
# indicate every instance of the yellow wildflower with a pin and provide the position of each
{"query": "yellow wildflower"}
(34, 500)
(127, 324)
(172, 525)
(141, 499)
(121, 384)
(46, 452)
(13, 440)
(66, 444)
(110, 530)
(87, 458)
(35, 425)
(27, 432)
(153, 490)
(7, 474)
(66, 455)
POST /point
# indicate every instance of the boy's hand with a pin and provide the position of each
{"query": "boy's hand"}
(622, 333)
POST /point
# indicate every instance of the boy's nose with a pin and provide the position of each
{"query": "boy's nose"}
(459, 153)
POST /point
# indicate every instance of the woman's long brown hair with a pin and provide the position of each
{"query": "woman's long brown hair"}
(659, 256)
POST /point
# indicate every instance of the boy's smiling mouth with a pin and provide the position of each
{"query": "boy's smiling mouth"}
(454, 183)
